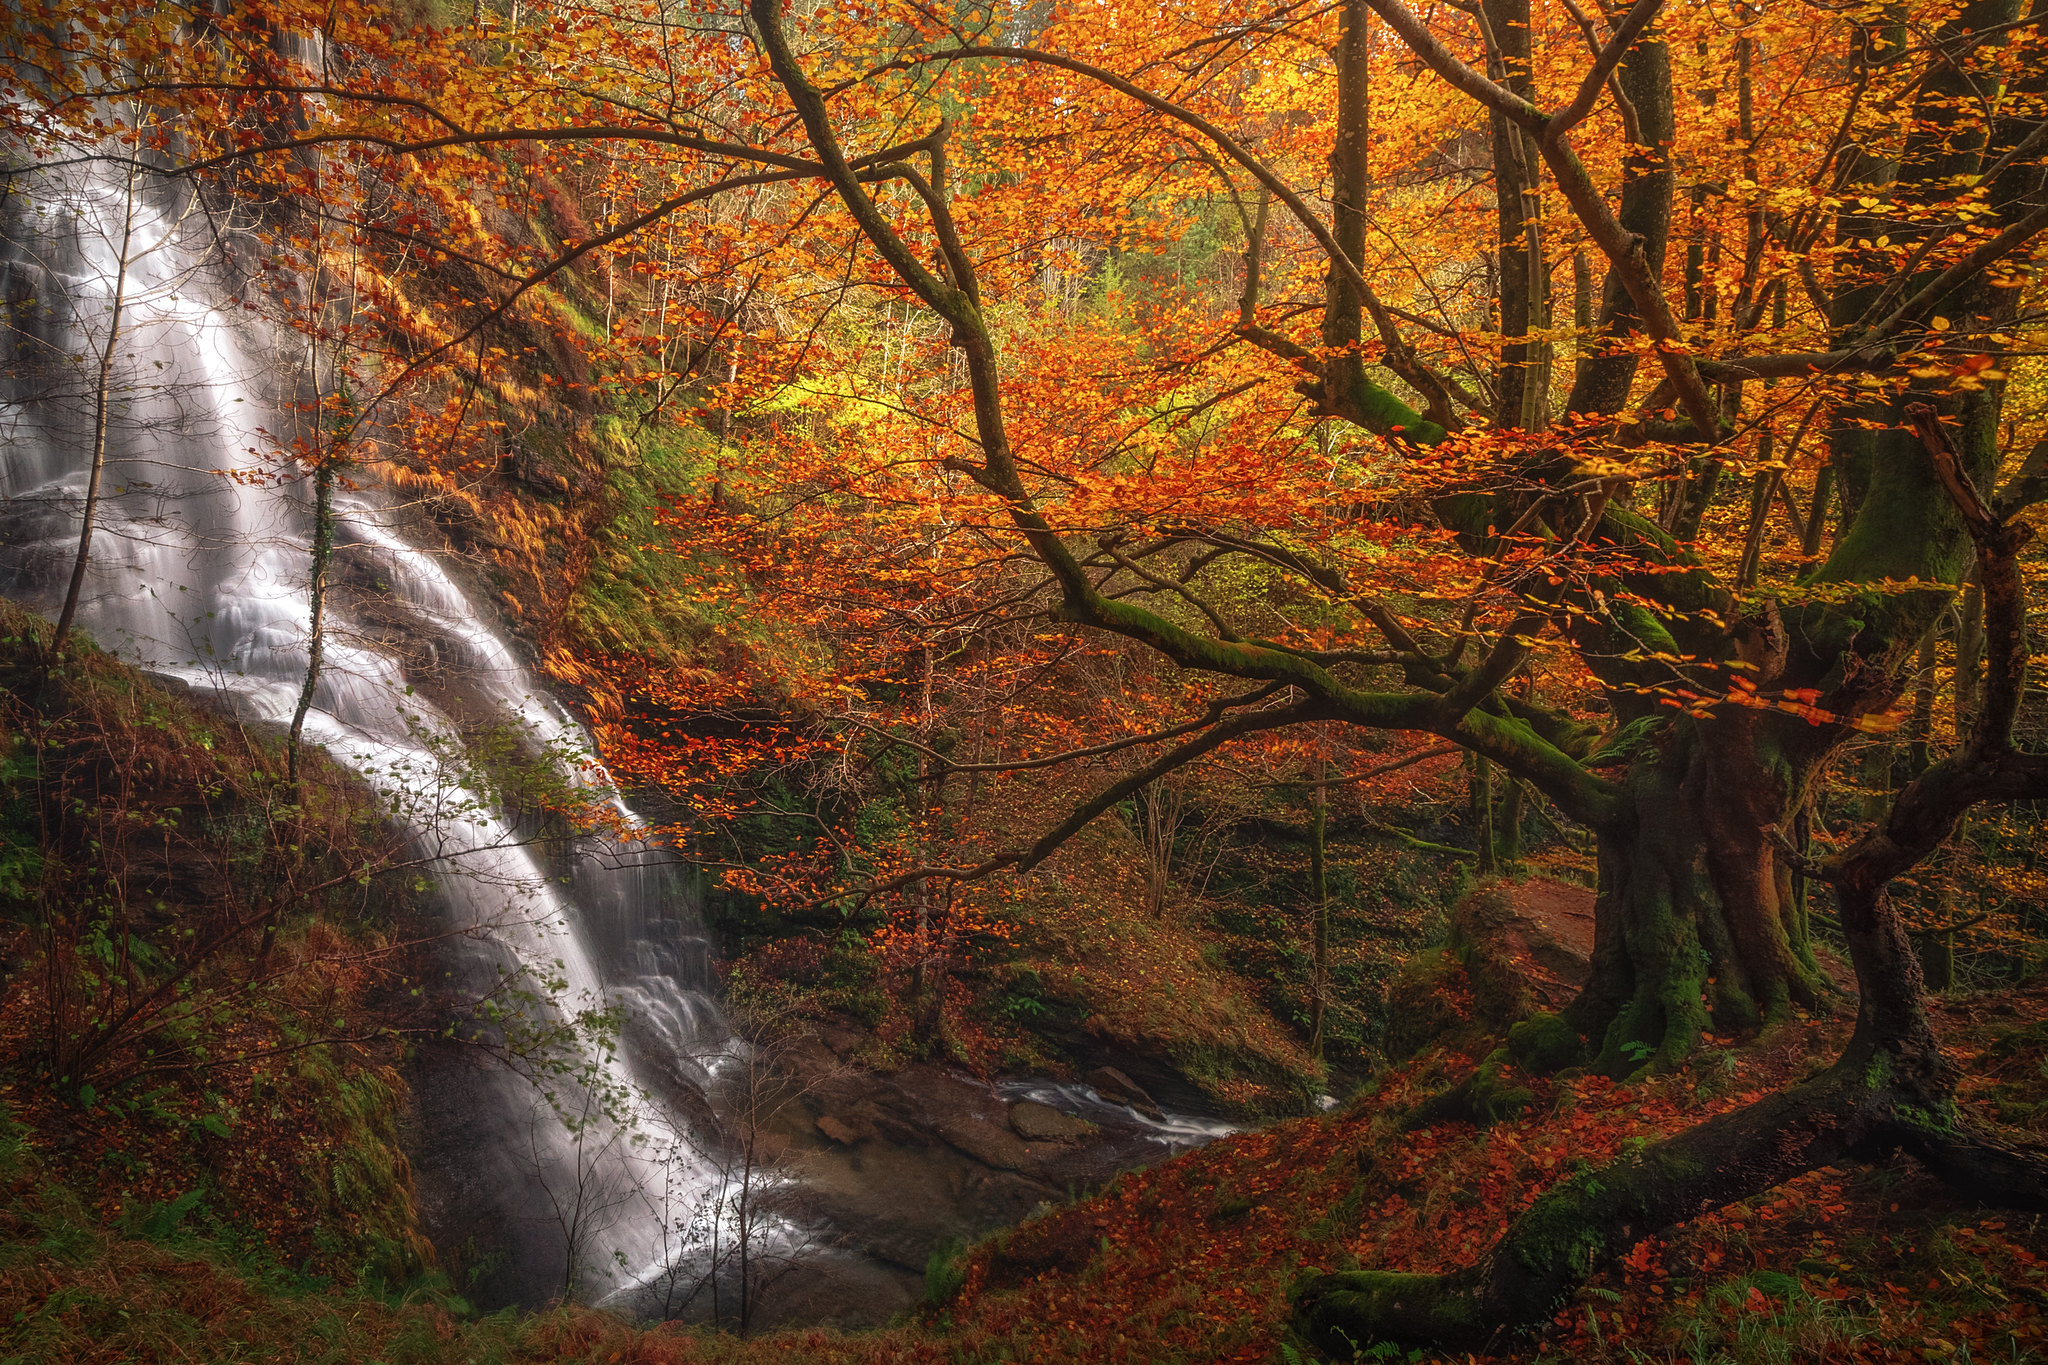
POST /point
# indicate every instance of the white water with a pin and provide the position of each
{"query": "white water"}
(203, 577)
(1174, 1132)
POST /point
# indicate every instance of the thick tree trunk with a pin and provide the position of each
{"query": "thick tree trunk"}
(1696, 922)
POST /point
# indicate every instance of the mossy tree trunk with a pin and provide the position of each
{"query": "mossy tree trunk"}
(1480, 809)
(1507, 840)
(1890, 1090)
(316, 637)
(1696, 924)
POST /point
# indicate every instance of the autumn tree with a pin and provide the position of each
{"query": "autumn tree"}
(1364, 493)
(1698, 805)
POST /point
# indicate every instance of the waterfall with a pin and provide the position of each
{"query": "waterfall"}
(199, 573)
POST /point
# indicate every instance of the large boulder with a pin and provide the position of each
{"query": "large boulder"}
(1515, 949)
(1428, 1000)
(986, 1143)
(842, 1132)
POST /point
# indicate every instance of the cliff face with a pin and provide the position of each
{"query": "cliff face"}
(545, 471)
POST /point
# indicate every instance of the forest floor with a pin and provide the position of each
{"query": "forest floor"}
(1191, 1261)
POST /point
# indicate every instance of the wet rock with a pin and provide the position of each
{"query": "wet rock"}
(1035, 1122)
(901, 1133)
(842, 1038)
(986, 1143)
(1118, 1088)
(840, 1131)
(810, 1059)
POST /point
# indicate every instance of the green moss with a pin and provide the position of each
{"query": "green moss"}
(1562, 1229)
(580, 322)
(1383, 414)
(1939, 1122)
(1488, 1096)
(1346, 1314)
(1495, 1097)
(1544, 1043)
(642, 593)
(1660, 1025)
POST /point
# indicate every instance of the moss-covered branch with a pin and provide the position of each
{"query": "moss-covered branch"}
(1591, 1218)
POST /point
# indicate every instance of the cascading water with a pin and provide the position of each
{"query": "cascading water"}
(199, 572)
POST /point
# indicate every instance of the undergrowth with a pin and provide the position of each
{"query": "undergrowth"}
(207, 977)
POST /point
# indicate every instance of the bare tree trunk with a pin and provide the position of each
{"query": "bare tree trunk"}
(323, 550)
(1480, 808)
(1582, 313)
(1508, 832)
(1969, 656)
(746, 1231)
(101, 400)
(1604, 377)
(1319, 893)
(1920, 726)
(1524, 386)
(1817, 514)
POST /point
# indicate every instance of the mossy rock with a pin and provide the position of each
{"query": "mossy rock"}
(1482, 913)
(1480, 926)
(1544, 1043)
(1426, 1001)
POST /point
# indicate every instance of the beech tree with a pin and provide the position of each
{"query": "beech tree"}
(1698, 808)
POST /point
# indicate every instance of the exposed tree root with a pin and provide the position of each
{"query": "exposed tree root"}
(1867, 1105)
